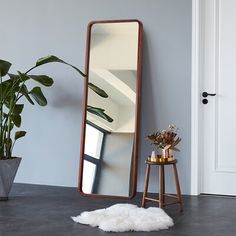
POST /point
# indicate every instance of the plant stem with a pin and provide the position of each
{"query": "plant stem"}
(17, 98)
(8, 123)
(9, 132)
(12, 146)
(9, 91)
(4, 136)
(1, 120)
(30, 69)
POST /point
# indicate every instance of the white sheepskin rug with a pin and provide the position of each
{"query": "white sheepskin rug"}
(126, 217)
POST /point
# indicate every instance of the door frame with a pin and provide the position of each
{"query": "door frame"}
(195, 98)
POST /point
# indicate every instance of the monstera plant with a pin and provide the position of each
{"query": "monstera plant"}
(13, 88)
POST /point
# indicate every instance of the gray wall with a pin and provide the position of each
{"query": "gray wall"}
(31, 29)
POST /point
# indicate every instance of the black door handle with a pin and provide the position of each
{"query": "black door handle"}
(205, 94)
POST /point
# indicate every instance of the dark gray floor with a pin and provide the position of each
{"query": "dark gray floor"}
(43, 210)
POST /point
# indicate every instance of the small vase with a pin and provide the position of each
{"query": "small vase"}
(167, 153)
(153, 156)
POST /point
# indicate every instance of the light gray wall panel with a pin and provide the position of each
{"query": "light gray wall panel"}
(31, 29)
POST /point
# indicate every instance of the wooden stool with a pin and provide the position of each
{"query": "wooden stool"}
(162, 194)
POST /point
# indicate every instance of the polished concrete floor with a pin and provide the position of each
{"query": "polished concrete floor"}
(42, 210)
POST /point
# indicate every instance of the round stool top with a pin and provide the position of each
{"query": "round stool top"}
(161, 162)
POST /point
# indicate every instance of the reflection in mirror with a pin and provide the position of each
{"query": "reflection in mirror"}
(109, 131)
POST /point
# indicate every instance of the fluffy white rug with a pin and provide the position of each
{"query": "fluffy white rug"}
(126, 217)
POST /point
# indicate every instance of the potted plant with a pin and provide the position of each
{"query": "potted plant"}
(14, 87)
(166, 140)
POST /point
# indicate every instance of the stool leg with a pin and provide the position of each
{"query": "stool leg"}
(146, 184)
(178, 187)
(161, 185)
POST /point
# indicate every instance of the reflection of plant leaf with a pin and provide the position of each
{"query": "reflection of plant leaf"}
(99, 112)
(97, 90)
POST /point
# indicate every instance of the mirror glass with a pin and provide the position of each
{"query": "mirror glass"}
(111, 104)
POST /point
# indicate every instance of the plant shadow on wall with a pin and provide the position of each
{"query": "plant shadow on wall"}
(13, 88)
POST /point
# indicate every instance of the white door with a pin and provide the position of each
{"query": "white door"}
(218, 116)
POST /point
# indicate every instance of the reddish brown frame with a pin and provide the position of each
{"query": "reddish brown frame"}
(137, 119)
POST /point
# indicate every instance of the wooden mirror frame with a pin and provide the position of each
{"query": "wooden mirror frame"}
(137, 112)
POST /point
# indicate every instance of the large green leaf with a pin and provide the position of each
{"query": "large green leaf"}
(10, 86)
(9, 100)
(5, 86)
(50, 59)
(4, 67)
(13, 77)
(97, 90)
(42, 79)
(18, 109)
(16, 119)
(99, 112)
(19, 134)
(23, 77)
(38, 96)
(25, 92)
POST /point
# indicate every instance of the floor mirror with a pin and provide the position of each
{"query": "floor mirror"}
(110, 125)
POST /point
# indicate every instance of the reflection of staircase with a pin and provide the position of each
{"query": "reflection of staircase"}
(120, 85)
(112, 78)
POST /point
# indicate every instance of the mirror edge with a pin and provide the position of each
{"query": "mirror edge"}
(137, 118)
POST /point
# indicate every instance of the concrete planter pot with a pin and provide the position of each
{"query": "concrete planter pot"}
(8, 169)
